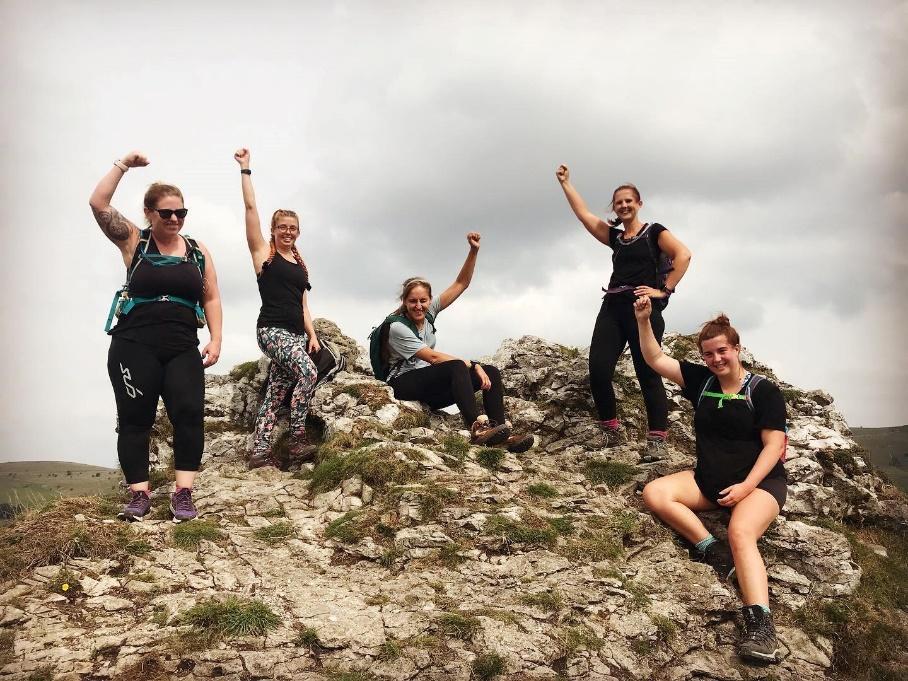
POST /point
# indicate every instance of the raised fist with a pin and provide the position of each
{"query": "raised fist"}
(242, 156)
(563, 174)
(134, 159)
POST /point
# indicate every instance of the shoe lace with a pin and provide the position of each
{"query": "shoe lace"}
(138, 498)
(182, 500)
(757, 628)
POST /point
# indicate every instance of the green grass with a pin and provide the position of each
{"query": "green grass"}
(32, 484)
(572, 639)
(432, 500)
(488, 665)
(246, 370)
(455, 445)
(275, 533)
(457, 625)
(411, 419)
(190, 535)
(377, 467)
(642, 647)
(7, 644)
(390, 650)
(547, 601)
(348, 528)
(611, 473)
(667, 629)
(532, 530)
(307, 638)
(563, 525)
(490, 457)
(449, 555)
(542, 490)
(233, 616)
(603, 538)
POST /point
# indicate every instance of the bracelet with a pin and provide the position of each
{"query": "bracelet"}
(245, 171)
(122, 166)
(667, 291)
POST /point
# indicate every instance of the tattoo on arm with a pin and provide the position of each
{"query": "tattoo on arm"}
(115, 226)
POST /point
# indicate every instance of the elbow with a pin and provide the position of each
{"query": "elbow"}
(684, 257)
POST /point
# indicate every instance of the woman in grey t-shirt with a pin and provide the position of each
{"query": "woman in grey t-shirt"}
(420, 372)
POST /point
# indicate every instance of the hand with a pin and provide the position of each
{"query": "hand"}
(650, 291)
(313, 346)
(134, 159)
(485, 383)
(732, 495)
(242, 157)
(473, 239)
(563, 174)
(643, 308)
(211, 353)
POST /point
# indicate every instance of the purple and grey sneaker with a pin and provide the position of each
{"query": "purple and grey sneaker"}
(139, 506)
(181, 505)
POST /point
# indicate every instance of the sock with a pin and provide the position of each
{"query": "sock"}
(611, 424)
(704, 544)
(661, 434)
(764, 607)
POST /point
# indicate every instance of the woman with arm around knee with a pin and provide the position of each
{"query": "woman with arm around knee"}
(636, 271)
(284, 329)
(739, 423)
(171, 290)
(420, 372)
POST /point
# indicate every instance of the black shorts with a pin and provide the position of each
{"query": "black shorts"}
(775, 485)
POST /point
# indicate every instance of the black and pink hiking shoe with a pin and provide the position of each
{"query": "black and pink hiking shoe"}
(181, 505)
(137, 508)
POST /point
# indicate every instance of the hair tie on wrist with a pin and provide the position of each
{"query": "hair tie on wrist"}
(245, 171)
(122, 166)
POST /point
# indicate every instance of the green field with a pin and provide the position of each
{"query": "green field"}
(888, 448)
(30, 483)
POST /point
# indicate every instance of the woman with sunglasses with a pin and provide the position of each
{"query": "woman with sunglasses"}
(284, 329)
(171, 288)
(636, 271)
(739, 423)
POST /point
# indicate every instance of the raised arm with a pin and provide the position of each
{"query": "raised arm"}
(211, 303)
(258, 247)
(465, 276)
(662, 364)
(680, 255)
(593, 223)
(123, 233)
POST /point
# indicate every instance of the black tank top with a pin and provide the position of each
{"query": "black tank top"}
(168, 326)
(632, 262)
(281, 286)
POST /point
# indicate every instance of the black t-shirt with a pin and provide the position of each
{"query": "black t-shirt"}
(729, 438)
(632, 261)
(281, 286)
(166, 325)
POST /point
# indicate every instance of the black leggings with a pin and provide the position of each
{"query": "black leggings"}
(140, 374)
(616, 327)
(451, 382)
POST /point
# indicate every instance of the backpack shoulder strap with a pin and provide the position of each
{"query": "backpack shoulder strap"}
(704, 389)
(752, 383)
(195, 253)
(141, 249)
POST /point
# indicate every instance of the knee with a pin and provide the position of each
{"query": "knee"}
(492, 372)
(740, 535)
(654, 496)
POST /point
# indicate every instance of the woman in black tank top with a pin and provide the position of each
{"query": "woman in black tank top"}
(284, 330)
(635, 272)
(171, 286)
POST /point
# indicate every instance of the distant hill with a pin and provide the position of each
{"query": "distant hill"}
(30, 483)
(888, 449)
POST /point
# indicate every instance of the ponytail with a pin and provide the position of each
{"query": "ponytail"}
(720, 326)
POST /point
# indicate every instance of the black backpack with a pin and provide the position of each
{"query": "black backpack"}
(328, 361)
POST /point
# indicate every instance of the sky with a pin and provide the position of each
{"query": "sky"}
(769, 137)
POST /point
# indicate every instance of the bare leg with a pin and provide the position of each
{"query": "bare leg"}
(139, 486)
(674, 498)
(185, 478)
(749, 519)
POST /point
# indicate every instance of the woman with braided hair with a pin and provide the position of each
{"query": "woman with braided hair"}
(284, 329)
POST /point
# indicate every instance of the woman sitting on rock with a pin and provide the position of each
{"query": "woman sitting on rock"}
(284, 329)
(739, 422)
(638, 269)
(420, 372)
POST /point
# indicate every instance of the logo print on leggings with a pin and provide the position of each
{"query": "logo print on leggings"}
(131, 390)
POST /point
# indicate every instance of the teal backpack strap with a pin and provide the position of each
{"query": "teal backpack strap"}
(195, 254)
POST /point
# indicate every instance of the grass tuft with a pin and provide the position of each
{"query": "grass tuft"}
(377, 467)
(455, 445)
(411, 419)
(457, 625)
(307, 638)
(542, 490)
(488, 665)
(246, 370)
(275, 533)
(432, 500)
(547, 601)
(611, 473)
(233, 616)
(532, 530)
(490, 457)
(347, 528)
(190, 535)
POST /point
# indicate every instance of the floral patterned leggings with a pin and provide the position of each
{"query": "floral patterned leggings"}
(289, 365)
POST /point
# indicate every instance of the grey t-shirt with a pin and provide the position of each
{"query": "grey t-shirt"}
(403, 343)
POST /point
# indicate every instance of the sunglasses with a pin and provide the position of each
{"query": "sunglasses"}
(165, 213)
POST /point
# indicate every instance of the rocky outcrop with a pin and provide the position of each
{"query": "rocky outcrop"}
(406, 554)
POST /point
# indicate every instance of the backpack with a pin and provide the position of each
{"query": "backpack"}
(122, 302)
(380, 352)
(661, 260)
(752, 382)
(328, 361)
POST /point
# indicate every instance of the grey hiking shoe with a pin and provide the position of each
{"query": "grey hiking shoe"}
(137, 508)
(656, 450)
(611, 437)
(488, 433)
(718, 557)
(759, 641)
(181, 505)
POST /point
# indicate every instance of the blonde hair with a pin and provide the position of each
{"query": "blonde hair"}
(409, 285)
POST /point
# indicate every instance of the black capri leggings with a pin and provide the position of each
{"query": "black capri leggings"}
(140, 374)
(616, 327)
(451, 382)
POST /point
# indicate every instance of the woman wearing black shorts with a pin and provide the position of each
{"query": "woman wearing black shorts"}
(739, 422)
(636, 272)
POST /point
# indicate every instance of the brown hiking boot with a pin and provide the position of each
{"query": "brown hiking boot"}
(262, 460)
(485, 432)
(518, 443)
(301, 449)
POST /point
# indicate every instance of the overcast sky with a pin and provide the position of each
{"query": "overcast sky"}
(769, 137)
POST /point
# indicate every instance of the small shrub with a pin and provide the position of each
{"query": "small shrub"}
(390, 557)
(190, 535)
(307, 638)
(457, 625)
(543, 490)
(65, 583)
(490, 457)
(611, 473)
(275, 533)
(246, 370)
(231, 617)
(488, 665)
(547, 601)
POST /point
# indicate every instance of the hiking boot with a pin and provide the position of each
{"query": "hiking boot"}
(759, 641)
(486, 432)
(260, 460)
(611, 437)
(300, 449)
(718, 557)
(518, 443)
(137, 508)
(181, 505)
(656, 450)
